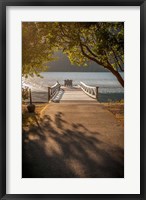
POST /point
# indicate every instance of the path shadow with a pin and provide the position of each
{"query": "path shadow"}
(59, 120)
(72, 152)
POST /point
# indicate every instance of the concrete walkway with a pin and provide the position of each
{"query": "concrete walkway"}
(73, 140)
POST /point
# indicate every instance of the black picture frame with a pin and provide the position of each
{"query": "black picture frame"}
(3, 127)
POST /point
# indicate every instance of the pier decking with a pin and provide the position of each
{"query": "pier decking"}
(64, 95)
(73, 94)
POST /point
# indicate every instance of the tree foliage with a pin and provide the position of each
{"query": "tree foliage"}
(82, 42)
(35, 52)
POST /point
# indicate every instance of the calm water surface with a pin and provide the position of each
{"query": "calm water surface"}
(106, 82)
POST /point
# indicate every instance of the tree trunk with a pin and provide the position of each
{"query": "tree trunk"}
(118, 76)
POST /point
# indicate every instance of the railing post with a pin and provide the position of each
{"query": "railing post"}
(49, 93)
(58, 86)
(97, 93)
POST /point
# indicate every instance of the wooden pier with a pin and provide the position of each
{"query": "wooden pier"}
(59, 94)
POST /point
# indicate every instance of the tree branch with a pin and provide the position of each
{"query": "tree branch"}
(117, 61)
(108, 66)
(89, 57)
(120, 59)
(91, 52)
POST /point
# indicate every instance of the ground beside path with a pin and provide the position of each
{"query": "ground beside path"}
(73, 140)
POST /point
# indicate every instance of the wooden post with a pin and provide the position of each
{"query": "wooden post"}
(30, 96)
(58, 86)
(97, 93)
(49, 93)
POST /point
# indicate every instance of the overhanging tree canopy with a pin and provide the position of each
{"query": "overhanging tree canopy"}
(35, 51)
(82, 42)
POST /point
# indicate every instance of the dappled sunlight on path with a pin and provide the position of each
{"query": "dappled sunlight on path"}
(67, 143)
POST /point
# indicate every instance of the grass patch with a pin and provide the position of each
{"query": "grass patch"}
(117, 109)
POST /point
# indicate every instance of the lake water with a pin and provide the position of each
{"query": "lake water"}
(106, 82)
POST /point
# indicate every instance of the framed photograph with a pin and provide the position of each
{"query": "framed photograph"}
(72, 99)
